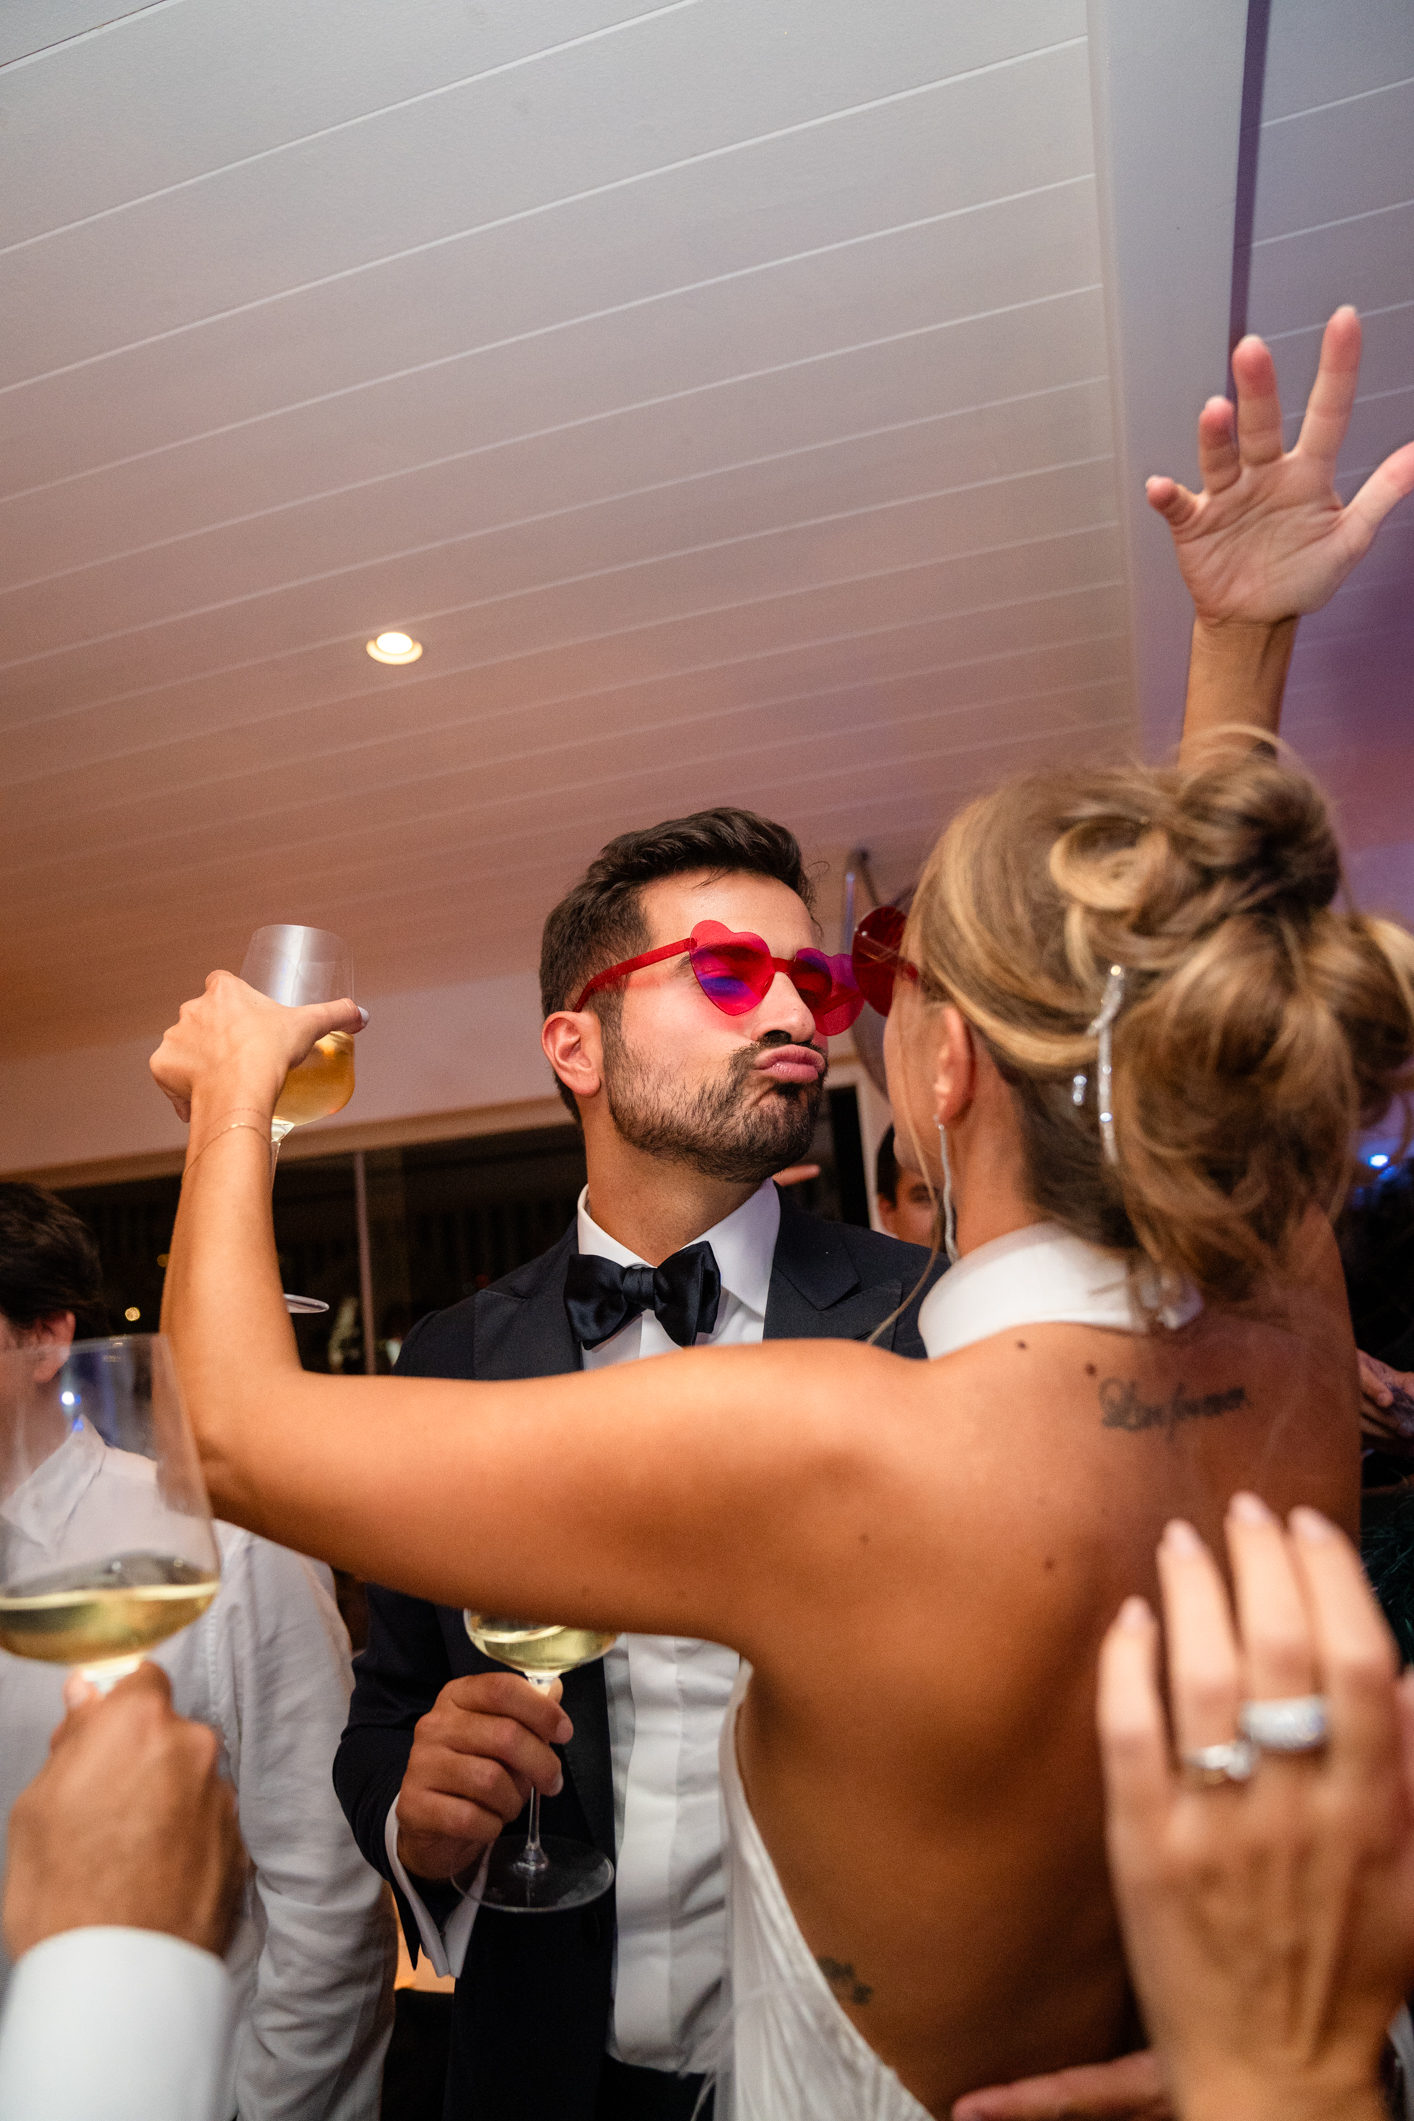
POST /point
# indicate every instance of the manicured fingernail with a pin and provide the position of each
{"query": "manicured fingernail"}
(1311, 1526)
(362, 1014)
(1249, 1509)
(1135, 1615)
(1180, 1537)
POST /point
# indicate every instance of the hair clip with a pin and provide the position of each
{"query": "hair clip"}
(1078, 1085)
(1101, 1029)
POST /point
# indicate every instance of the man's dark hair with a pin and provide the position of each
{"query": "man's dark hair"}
(600, 921)
(48, 1261)
(886, 1170)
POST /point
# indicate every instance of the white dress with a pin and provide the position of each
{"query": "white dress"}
(795, 2055)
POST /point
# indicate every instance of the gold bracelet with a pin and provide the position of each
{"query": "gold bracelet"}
(233, 1128)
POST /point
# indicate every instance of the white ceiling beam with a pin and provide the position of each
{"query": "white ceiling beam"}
(1166, 83)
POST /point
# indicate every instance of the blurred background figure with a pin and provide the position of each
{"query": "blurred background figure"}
(906, 1207)
(267, 1671)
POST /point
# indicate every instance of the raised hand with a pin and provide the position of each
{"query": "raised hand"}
(1268, 538)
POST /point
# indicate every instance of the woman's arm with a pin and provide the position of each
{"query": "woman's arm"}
(1269, 1923)
(1267, 538)
(642, 1496)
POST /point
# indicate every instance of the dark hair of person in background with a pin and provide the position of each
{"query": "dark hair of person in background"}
(600, 921)
(886, 1169)
(49, 1262)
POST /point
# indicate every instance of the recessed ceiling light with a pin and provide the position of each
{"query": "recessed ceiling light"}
(394, 648)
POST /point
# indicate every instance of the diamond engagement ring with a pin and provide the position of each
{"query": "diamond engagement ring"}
(1296, 1725)
(1210, 1765)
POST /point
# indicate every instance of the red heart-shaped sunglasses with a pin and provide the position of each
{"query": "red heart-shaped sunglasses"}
(735, 971)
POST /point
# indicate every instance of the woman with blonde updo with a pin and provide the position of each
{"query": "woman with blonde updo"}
(1130, 1043)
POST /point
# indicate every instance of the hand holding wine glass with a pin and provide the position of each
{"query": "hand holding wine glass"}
(106, 1545)
(535, 1877)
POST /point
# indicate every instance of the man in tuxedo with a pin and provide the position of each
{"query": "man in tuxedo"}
(695, 1074)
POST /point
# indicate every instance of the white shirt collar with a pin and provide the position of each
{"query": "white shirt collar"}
(743, 1243)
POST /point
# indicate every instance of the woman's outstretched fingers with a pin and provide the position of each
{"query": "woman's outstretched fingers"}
(1333, 393)
(1134, 1737)
(1218, 457)
(1203, 1664)
(1259, 435)
(1278, 1644)
(1356, 1653)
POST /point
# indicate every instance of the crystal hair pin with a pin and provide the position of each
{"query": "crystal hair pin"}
(1102, 1029)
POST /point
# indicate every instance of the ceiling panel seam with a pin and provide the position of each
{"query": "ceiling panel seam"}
(1317, 228)
(861, 682)
(596, 191)
(687, 613)
(624, 567)
(750, 375)
(607, 500)
(578, 789)
(744, 272)
(86, 36)
(1301, 331)
(1364, 95)
(664, 675)
(344, 125)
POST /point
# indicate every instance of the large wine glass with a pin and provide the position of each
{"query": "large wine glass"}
(106, 1546)
(295, 966)
(531, 1876)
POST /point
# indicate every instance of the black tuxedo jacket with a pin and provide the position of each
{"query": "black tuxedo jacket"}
(532, 2005)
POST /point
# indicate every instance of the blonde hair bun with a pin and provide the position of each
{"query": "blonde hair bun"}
(1259, 1026)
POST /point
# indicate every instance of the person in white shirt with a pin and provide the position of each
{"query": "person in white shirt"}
(122, 1889)
(267, 1670)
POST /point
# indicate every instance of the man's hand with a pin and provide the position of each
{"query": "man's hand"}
(1386, 1404)
(126, 1824)
(1130, 2089)
(475, 1756)
(239, 1040)
(1267, 538)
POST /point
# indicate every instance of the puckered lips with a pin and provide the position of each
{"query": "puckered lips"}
(792, 1064)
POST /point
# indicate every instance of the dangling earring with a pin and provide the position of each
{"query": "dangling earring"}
(949, 1208)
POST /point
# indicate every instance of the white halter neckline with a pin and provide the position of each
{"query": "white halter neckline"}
(1039, 1276)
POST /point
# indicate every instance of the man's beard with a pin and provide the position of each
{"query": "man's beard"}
(714, 1129)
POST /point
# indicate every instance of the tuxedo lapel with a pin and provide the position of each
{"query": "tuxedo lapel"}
(817, 1290)
(522, 1331)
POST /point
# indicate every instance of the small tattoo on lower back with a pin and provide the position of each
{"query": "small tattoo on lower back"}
(844, 1981)
(1121, 1406)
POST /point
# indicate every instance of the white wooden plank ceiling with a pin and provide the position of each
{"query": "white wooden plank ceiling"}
(717, 389)
(1334, 222)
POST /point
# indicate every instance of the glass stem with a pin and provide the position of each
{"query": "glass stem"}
(533, 1857)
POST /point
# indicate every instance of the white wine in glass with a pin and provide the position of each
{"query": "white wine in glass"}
(535, 1877)
(106, 1544)
(294, 966)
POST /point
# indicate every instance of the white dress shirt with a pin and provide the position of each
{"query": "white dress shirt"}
(667, 1697)
(267, 1668)
(117, 2025)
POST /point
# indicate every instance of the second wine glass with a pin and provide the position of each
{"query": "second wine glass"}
(535, 1877)
(295, 966)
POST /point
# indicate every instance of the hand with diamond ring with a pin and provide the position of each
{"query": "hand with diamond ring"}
(1268, 1907)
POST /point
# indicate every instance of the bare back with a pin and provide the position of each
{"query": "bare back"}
(918, 1746)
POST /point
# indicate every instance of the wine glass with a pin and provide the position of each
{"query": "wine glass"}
(106, 1546)
(531, 1876)
(294, 966)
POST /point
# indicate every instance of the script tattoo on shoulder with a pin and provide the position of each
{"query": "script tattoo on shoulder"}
(1121, 1406)
(844, 1981)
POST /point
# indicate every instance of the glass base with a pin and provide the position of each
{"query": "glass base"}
(304, 1306)
(573, 1875)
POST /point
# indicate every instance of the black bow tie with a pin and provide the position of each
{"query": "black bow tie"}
(601, 1296)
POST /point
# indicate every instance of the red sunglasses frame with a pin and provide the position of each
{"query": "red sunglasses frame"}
(866, 975)
(877, 959)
